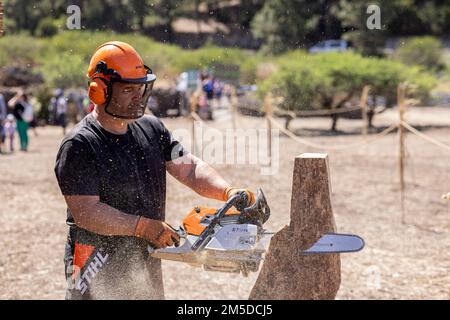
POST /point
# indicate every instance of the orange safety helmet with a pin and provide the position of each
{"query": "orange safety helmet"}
(116, 61)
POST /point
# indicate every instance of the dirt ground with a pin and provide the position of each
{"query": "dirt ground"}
(399, 261)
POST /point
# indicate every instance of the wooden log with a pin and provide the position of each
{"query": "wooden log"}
(287, 273)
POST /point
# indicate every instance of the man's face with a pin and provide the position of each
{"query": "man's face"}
(127, 100)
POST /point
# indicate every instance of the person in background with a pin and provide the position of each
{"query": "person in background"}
(23, 112)
(205, 100)
(52, 108)
(33, 123)
(82, 101)
(10, 129)
(208, 87)
(61, 110)
(3, 112)
(218, 90)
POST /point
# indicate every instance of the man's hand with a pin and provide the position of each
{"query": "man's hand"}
(230, 191)
(159, 234)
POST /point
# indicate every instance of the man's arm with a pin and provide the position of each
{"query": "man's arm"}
(12, 102)
(199, 176)
(91, 214)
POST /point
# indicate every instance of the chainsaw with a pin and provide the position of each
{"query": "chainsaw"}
(232, 238)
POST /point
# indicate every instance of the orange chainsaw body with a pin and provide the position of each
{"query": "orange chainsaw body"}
(192, 222)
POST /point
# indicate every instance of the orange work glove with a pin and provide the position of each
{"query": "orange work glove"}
(159, 234)
(230, 191)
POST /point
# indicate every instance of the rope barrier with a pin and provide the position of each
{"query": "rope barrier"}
(196, 117)
(371, 140)
(336, 148)
(424, 136)
(321, 112)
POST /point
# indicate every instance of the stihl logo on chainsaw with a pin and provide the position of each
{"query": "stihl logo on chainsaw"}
(83, 280)
(238, 229)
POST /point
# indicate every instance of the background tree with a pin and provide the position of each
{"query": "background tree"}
(424, 51)
(290, 24)
(399, 18)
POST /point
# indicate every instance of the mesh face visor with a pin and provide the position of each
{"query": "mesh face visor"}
(128, 97)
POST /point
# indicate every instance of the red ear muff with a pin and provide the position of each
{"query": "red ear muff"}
(98, 91)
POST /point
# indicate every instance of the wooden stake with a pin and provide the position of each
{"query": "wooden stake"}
(286, 273)
(193, 101)
(234, 102)
(268, 108)
(401, 91)
(194, 140)
(363, 102)
(1, 19)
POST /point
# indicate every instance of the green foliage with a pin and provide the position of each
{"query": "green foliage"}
(306, 81)
(19, 49)
(249, 68)
(209, 56)
(47, 27)
(42, 94)
(329, 80)
(424, 51)
(65, 71)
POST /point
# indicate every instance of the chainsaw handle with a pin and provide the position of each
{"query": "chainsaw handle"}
(180, 231)
(231, 202)
(241, 203)
(257, 213)
(210, 228)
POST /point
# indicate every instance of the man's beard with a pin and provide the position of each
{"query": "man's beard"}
(134, 110)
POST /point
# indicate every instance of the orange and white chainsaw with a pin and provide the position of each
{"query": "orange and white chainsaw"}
(232, 239)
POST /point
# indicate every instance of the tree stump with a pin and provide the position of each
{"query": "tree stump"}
(287, 273)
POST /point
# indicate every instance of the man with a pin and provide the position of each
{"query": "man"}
(23, 112)
(111, 169)
(3, 113)
(61, 110)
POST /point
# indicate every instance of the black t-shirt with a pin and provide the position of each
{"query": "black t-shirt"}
(127, 172)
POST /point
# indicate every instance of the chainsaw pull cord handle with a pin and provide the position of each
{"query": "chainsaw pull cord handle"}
(220, 213)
